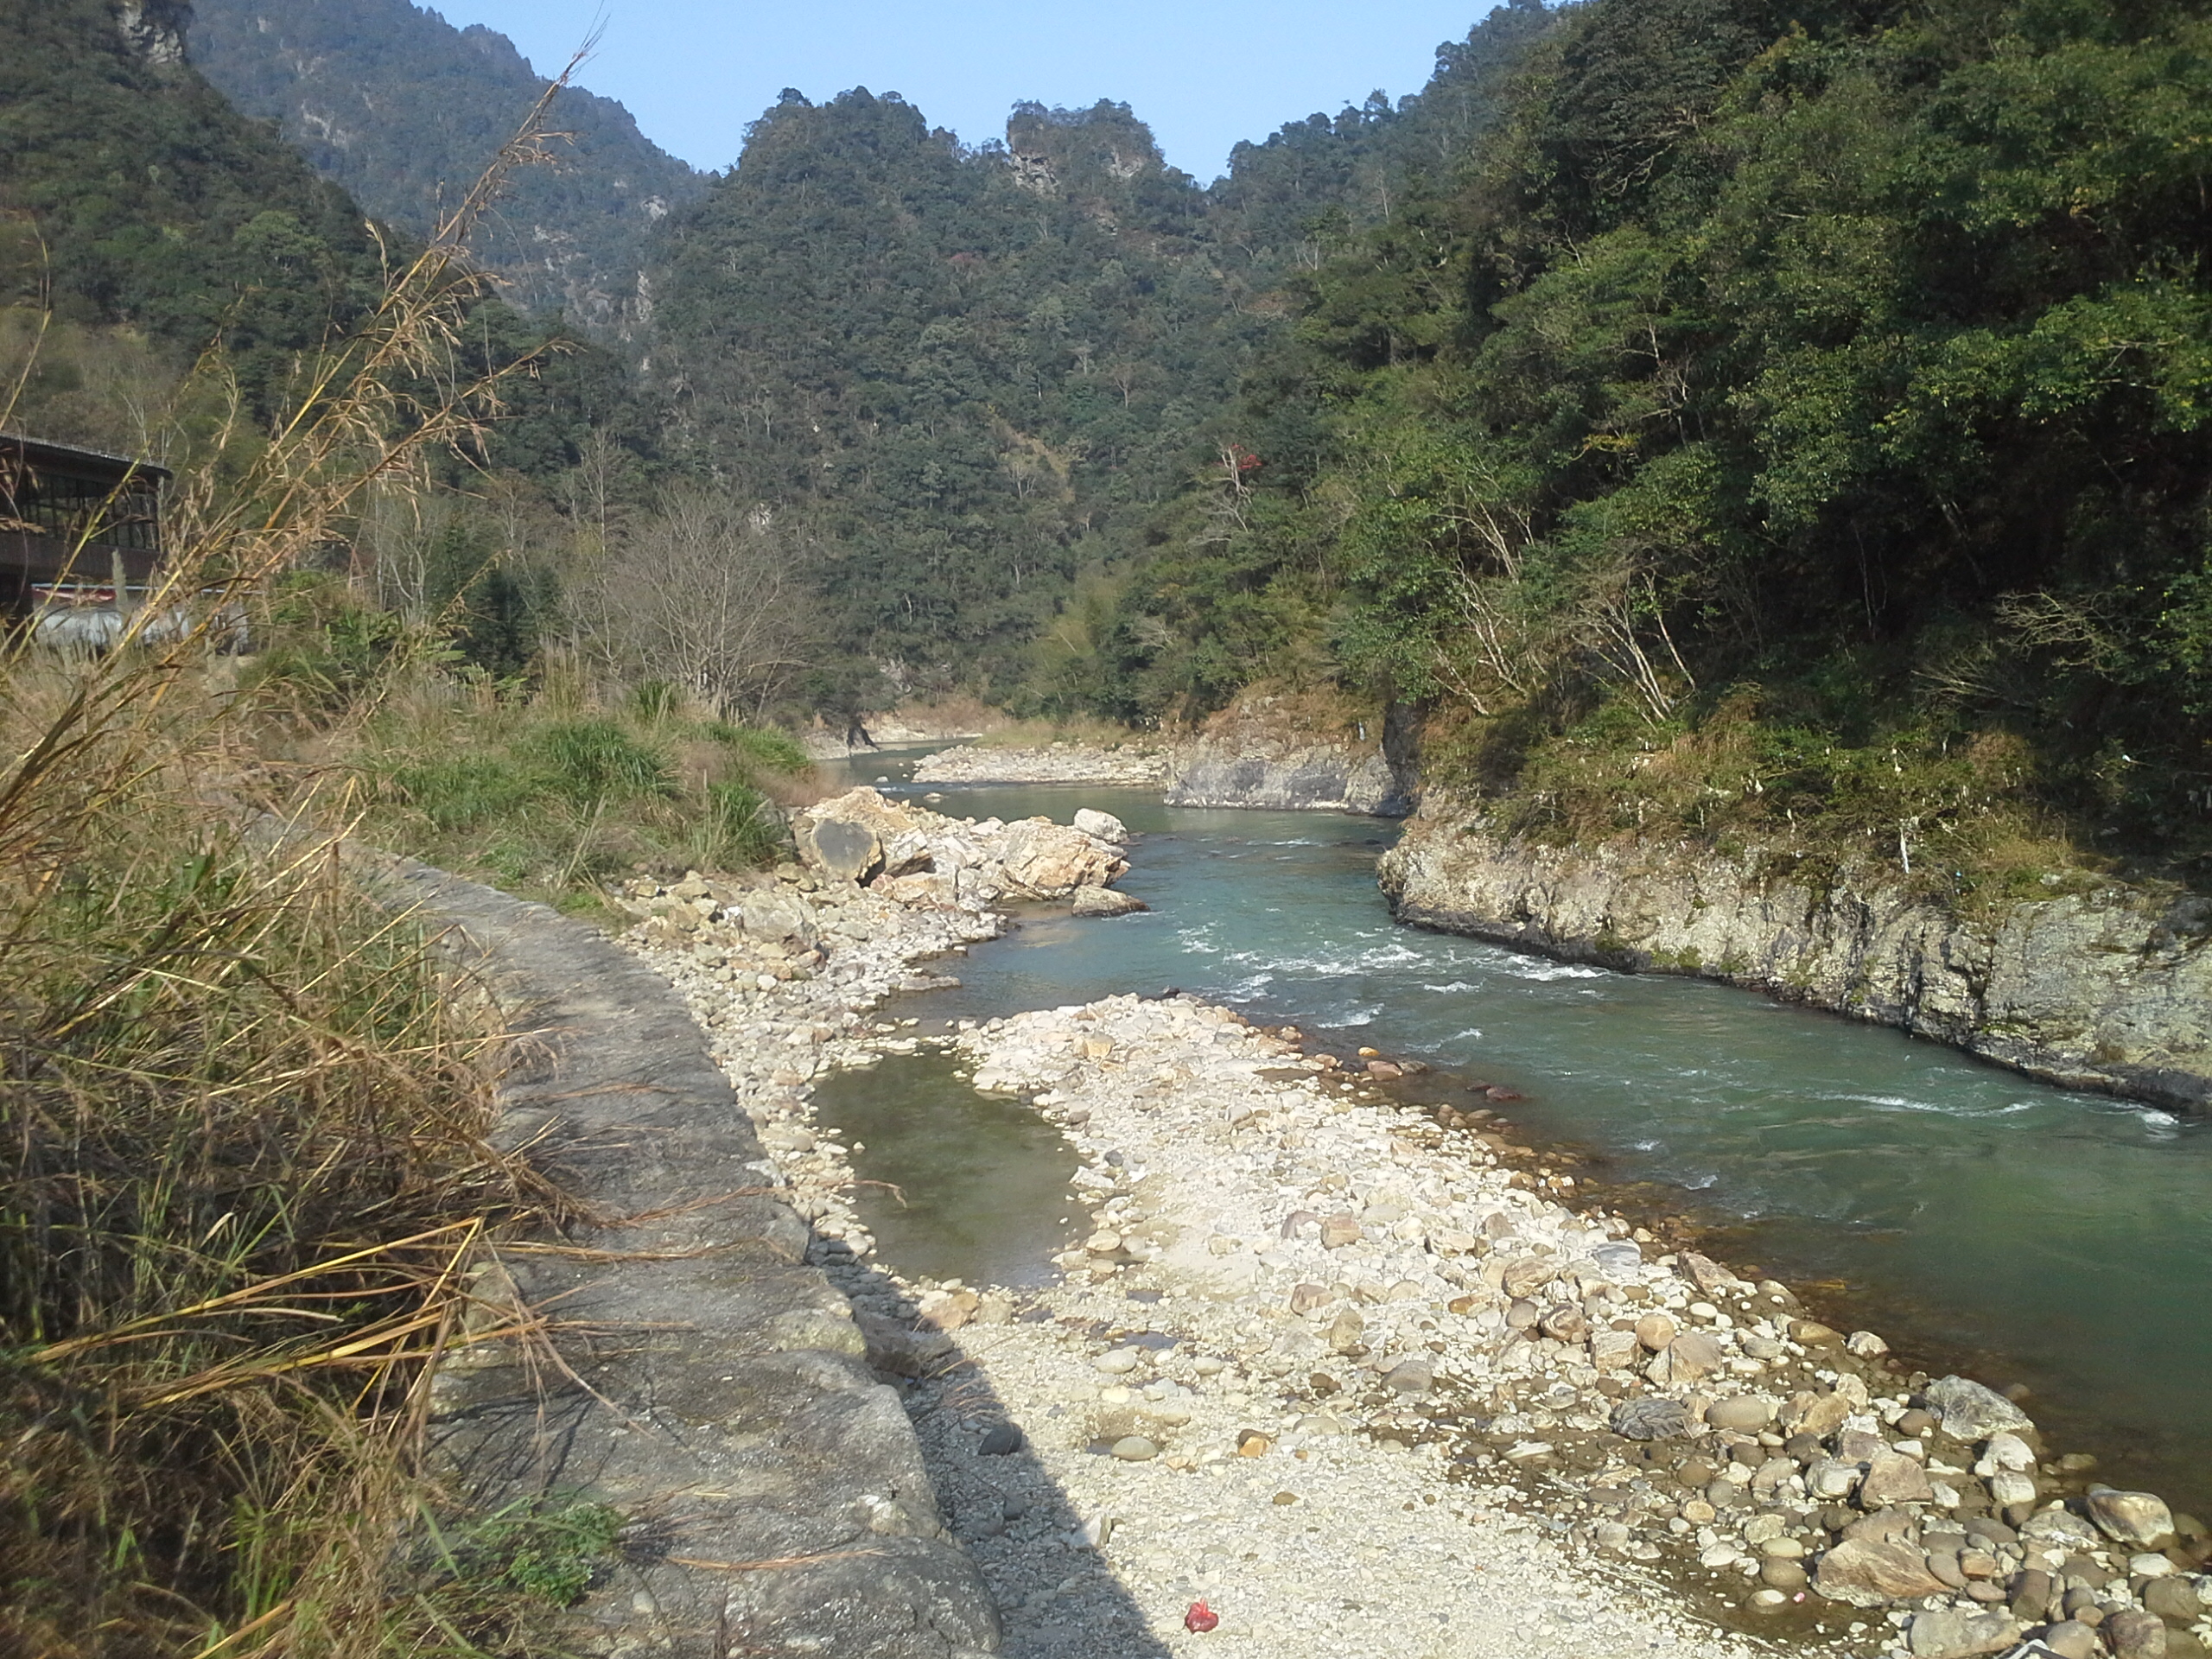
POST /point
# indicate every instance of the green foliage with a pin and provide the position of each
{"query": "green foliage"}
(739, 828)
(323, 651)
(548, 1549)
(407, 109)
(130, 191)
(593, 763)
(1849, 365)
(528, 792)
(970, 373)
(759, 748)
(460, 793)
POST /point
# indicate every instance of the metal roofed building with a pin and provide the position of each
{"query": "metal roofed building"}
(79, 530)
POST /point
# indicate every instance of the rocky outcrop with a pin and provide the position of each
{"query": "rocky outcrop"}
(154, 29)
(2109, 990)
(697, 1374)
(1250, 756)
(862, 837)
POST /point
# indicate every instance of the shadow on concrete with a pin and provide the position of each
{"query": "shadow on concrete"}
(1057, 1594)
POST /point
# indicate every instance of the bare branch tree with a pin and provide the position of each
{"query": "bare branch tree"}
(709, 593)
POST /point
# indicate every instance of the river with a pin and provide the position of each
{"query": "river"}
(1976, 1218)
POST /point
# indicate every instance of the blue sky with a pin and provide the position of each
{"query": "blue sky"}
(694, 71)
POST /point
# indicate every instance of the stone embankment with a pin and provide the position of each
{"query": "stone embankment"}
(1287, 774)
(888, 731)
(1259, 753)
(674, 1355)
(1130, 766)
(2108, 989)
(1355, 1373)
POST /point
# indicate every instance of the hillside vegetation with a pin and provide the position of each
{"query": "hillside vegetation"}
(1791, 424)
(246, 1102)
(404, 110)
(131, 193)
(1774, 424)
(978, 376)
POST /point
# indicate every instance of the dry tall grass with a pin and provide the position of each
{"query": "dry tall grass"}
(244, 1107)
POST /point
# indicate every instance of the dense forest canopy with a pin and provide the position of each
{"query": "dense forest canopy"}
(172, 275)
(984, 376)
(1790, 415)
(131, 193)
(973, 372)
(405, 111)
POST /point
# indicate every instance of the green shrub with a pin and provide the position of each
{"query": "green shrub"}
(460, 791)
(543, 796)
(589, 763)
(755, 746)
(741, 826)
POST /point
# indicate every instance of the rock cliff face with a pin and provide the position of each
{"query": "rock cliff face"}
(154, 29)
(1256, 762)
(2110, 990)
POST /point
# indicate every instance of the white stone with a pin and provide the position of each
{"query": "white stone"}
(2006, 1451)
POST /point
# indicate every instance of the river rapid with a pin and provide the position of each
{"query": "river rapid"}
(1979, 1220)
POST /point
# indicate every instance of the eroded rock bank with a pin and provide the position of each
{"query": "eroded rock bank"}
(1252, 755)
(2108, 989)
(1257, 753)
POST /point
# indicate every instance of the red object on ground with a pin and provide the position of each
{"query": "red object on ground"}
(1201, 1618)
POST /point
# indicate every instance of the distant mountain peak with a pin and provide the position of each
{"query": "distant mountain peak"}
(405, 109)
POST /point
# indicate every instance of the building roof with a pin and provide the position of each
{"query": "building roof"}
(61, 457)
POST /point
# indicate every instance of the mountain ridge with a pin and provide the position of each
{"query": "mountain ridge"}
(405, 109)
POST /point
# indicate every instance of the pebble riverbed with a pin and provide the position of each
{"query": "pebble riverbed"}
(1359, 1374)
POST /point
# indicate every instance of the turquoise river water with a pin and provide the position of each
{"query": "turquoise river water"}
(1976, 1218)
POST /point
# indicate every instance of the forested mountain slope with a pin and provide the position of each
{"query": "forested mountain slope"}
(1290, 200)
(132, 195)
(977, 376)
(973, 372)
(1792, 425)
(405, 110)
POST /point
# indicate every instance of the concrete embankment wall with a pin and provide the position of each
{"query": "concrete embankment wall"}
(696, 1373)
(2109, 990)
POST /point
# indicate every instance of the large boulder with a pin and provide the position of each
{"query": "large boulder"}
(844, 838)
(773, 914)
(1868, 1573)
(1044, 859)
(1947, 1634)
(1104, 901)
(1652, 1418)
(1102, 826)
(860, 835)
(2136, 1518)
(1892, 1479)
(1970, 1412)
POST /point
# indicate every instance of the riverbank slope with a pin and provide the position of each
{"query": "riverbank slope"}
(1267, 752)
(2108, 989)
(1339, 1363)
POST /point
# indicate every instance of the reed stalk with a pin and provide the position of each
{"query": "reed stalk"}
(245, 1164)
